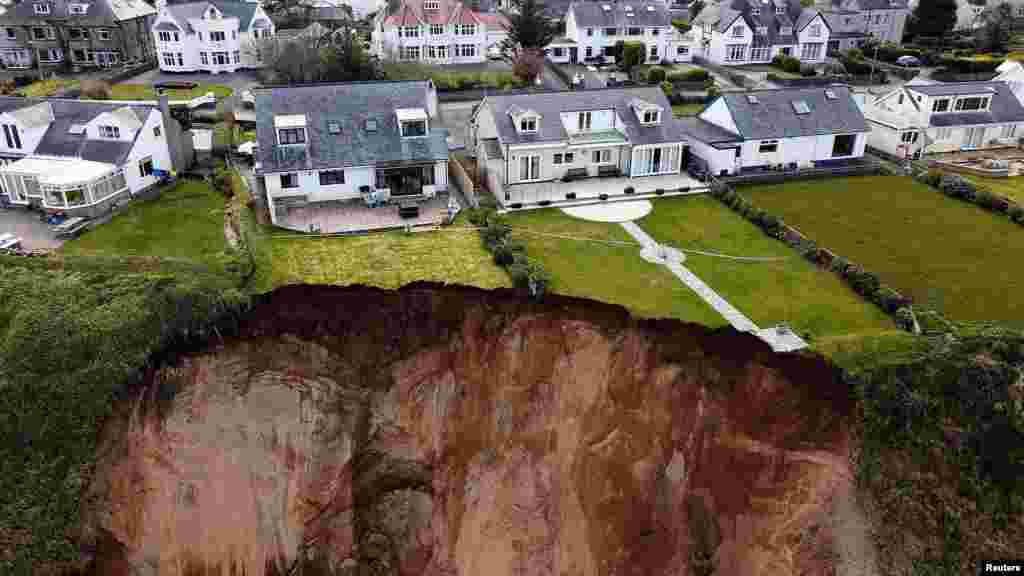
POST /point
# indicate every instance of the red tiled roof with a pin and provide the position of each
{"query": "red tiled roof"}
(411, 13)
(493, 20)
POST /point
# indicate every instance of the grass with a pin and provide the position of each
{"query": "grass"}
(791, 291)
(185, 222)
(246, 136)
(452, 79)
(610, 273)
(146, 92)
(1012, 188)
(679, 110)
(941, 252)
(42, 88)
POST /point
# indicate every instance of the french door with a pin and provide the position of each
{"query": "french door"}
(529, 168)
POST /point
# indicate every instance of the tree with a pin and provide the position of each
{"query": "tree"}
(633, 55)
(695, 7)
(528, 65)
(933, 18)
(529, 27)
(683, 26)
(318, 55)
(997, 29)
(95, 90)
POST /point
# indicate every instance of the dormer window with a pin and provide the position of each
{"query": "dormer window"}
(431, 5)
(940, 105)
(413, 128)
(737, 31)
(110, 132)
(755, 11)
(412, 122)
(42, 8)
(780, 9)
(583, 121)
(528, 124)
(213, 14)
(291, 129)
(77, 8)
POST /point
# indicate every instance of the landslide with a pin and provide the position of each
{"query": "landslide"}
(447, 430)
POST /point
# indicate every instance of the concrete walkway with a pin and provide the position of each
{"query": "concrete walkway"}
(615, 212)
(780, 339)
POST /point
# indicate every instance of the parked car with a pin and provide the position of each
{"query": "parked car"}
(494, 53)
(175, 85)
(908, 61)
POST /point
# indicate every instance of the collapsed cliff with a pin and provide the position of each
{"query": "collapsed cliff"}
(453, 431)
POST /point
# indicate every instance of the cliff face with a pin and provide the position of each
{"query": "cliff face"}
(452, 431)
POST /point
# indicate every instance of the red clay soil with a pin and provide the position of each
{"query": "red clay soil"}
(448, 430)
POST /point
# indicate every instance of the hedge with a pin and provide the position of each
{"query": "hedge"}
(959, 187)
(526, 273)
(865, 283)
(692, 75)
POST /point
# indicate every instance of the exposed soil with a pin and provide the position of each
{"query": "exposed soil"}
(441, 431)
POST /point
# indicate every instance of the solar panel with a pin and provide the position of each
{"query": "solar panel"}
(830, 94)
(333, 127)
(371, 125)
(800, 107)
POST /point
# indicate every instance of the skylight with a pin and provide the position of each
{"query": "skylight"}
(606, 7)
(752, 99)
(371, 125)
(76, 129)
(800, 107)
(830, 94)
(333, 127)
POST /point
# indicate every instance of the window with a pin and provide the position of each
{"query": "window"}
(943, 133)
(830, 94)
(203, 58)
(200, 35)
(737, 31)
(332, 177)
(735, 52)
(286, 136)
(583, 121)
(843, 145)
(217, 36)
(755, 11)
(608, 51)
(110, 132)
(11, 34)
(437, 29)
(467, 50)
(590, 31)
(941, 105)
(236, 56)
(51, 55)
(78, 34)
(42, 8)
(220, 58)
(908, 137)
(43, 33)
(780, 10)
(12, 136)
(558, 158)
(654, 51)
(601, 156)
(1008, 131)
(589, 52)
(762, 30)
(156, 132)
(168, 58)
(79, 55)
(168, 36)
(878, 18)
(438, 52)
(971, 103)
(146, 167)
(811, 51)
(1020, 11)
(76, 8)
(801, 107)
(558, 51)
(409, 31)
(289, 180)
(528, 125)
(651, 116)
(768, 147)
(611, 31)
(655, 31)
(409, 53)
(682, 50)
(785, 30)
(104, 34)
(431, 5)
(529, 168)
(815, 30)
(760, 53)
(412, 128)
(634, 31)
(465, 29)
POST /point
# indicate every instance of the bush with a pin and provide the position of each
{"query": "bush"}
(603, 196)
(223, 183)
(957, 187)
(529, 275)
(692, 75)
(1016, 213)
(807, 70)
(904, 319)
(890, 300)
(494, 233)
(854, 54)
(95, 90)
(930, 177)
(787, 63)
(667, 88)
(504, 253)
(932, 322)
(480, 216)
(656, 75)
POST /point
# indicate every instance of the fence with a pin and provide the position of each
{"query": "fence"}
(458, 174)
(479, 93)
(864, 167)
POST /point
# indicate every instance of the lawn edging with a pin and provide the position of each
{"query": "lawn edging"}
(958, 187)
(496, 234)
(865, 283)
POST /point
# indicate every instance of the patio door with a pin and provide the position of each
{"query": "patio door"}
(529, 168)
(973, 137)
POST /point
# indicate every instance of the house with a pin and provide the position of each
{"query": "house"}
(542, 148)
(437, 32)
(755, 31)
(593, 28)
(81, 157)
(321, 144)
(1012, 73)
(210, 36)
(918, 119)
(772, 129)
(854, 22)
(80, 33)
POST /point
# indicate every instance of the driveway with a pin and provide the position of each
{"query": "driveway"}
(34, 234)
(455, 117)
(591, 79)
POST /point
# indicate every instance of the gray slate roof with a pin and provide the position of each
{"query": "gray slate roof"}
(590, 14)
(875, 4)
(350, 105)
(723, 15)
(551, 105)
(100, 12)
(774, 117)
(1003, 106)
(244, 11)
(58, 142)
(707, 132)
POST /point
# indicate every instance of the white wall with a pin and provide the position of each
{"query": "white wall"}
(804, 37)
(717, 113)
(147, 144)
(799, 150)
(29, 138)
(236, 39)
(355, 177)
(716, 160)
(388, 43)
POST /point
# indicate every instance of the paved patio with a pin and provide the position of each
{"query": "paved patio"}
(354, 216)
(34, 234)
(592, 188)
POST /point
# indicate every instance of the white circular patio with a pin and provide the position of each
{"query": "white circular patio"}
(611, 211)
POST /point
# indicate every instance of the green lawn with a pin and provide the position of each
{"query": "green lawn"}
(609, 273)
(42, 88)
(791, 291)
(146, 92)
(186, 222)
(1012, 188)
(686, 109)
(941, 252)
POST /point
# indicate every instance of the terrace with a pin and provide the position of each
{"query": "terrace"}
(354, 216)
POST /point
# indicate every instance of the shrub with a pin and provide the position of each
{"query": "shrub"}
(890, 300)
(222, 182)
(570, 196)
(989, 201)
(787, 63)
(659, 191)
(667, 88)
(772, 225)
(854, 54)
(503, 254)
(629, 190)
(544, 203)
(864, 282)
(807, 70)
(494, 233)
(480, 216)
(529, 275)
(931, 177)
(713, 91)
(1016, 213)
(904, 319)
(528, 65)
(95, 90)
(682, 25)
(957, 187)
(932, 322)
(656, 75)
(691, 75)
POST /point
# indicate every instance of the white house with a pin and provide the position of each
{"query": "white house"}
(924, 118)
(319, 144)
(210, 36)
(778, 129)
(79, 156)
(755, 31)
(593, 28)
(437, 32)
(535, 149)
(854, 22)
